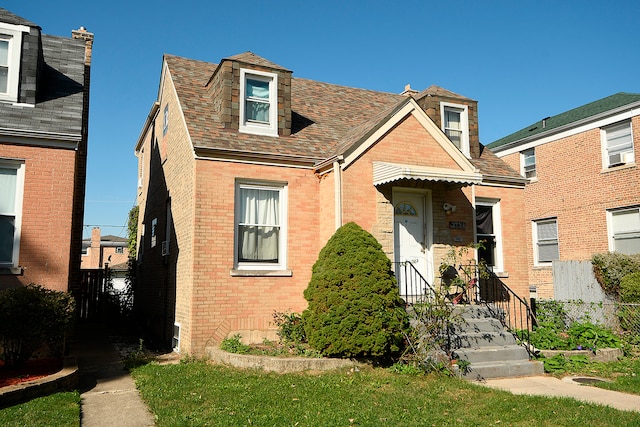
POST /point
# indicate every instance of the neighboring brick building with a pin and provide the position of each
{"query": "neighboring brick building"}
(44, 107)
(245, 172)
(583, 192)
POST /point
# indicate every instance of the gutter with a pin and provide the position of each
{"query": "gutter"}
(150, 118)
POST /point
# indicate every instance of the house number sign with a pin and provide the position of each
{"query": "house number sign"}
(457, 225)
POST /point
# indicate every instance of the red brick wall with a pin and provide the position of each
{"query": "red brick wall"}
(573, 186)
(46, 216)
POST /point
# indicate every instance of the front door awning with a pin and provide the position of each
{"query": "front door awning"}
(384, 173)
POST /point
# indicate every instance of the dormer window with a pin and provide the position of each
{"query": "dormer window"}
(10, 45)
(259, 107)
(455, 124)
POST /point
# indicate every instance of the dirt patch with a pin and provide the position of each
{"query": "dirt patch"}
(32, 370)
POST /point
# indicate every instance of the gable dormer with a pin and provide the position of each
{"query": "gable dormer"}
(456, 115)
(252, 95)
(20, 58)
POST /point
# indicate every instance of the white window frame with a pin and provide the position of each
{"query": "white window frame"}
(283, 237)
(610, 225)
(13, 34)
(271, 128)
(528, 153)
(165, 120)
(536, 242)
(626, 156)
(464, 123)
(497, 230)
(19, 166)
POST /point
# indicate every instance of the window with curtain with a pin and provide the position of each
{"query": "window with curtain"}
(4, 65)
(259, 220)
(529, 163)
(11, 182)
(485, 234)
(453, 125)
(618, 143)
(546, 240)
(625, 230)
(259, 106)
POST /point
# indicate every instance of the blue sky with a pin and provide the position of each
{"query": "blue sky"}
(521, 60)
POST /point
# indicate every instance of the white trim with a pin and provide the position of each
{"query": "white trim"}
(384, 172)
(19, 165)
(523, 172)
(534, 232)
(270, 129)
(596, 123)
(464, 124)
(176, 347)
(625, 158)
(496, 215)
(282, 188)
(13, 34)
(610, 233)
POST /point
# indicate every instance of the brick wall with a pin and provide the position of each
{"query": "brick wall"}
(572, 186)
(46, 216)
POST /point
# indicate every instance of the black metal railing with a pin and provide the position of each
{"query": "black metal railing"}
(413, 287)
(513, 311)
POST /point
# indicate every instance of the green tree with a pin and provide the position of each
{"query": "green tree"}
(354, 306)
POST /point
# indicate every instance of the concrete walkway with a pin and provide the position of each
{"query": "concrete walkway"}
(565, 387)
(109, 395)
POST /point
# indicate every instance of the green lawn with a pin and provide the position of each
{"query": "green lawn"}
(57, 410)
(199, 394)
(624, 374)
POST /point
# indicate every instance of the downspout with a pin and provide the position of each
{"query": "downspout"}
(337, 171)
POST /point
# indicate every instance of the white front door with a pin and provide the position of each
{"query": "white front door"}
(412, 239)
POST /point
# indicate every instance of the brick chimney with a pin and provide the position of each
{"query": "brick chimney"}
(83, 34)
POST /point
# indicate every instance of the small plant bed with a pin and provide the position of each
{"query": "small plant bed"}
(32, 370)
(268, 348)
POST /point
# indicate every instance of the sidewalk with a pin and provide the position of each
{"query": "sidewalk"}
(566, 387)
(109, 395)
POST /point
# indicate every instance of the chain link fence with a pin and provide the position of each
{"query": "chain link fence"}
(619, 317)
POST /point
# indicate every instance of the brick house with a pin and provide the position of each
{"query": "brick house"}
(44, 107)
(99, 252)
(245, 172)
(582, 193)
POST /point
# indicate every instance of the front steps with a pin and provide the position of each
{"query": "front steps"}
(476, 336)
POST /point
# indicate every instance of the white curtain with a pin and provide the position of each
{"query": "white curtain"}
(259, 226)
(8, 181)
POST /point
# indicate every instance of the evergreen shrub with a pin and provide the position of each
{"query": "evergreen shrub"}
(609, 269)
(354, 307)
(630, 288)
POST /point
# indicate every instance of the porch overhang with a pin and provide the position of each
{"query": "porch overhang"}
(384, 173)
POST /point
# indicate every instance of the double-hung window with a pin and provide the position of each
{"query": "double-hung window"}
(545, 238)
(617, 142)
(259, 106)
(455, 125)
(624, 230)
(11, 192)
(165, 120)
(488, 233)
(529, 163)
(260, 226)
(10, 46)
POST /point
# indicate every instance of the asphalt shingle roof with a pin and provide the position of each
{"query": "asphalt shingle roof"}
(10, 18)
(575, 115)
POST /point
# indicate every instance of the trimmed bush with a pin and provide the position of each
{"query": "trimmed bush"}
(630, 288)
(609, 269)
(354, 306)
(31, 316)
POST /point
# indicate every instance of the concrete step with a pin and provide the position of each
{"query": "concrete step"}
(475, 325)
(484, 370)
(492, 354)
(482, 339)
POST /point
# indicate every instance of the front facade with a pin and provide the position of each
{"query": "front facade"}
(245, 172)
(44, 101)
(582, 193)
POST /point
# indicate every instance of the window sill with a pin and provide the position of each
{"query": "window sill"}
(501, 274)
(543, 266)
(617, 168)
(261, 273)
(16, 271)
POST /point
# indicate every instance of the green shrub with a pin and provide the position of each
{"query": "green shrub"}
(234, 345)
(630, 288)
(290, 327)
(609, 269)
(354, 306)
(31, 316)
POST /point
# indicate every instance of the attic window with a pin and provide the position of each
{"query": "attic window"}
(10, 45)
(259, 107)
(455, 124)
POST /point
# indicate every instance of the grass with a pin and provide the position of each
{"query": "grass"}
(625, 374)
(56, 410)
(199, 394)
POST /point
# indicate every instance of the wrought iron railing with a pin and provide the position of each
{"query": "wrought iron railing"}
(513, 311)
(413, 287)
